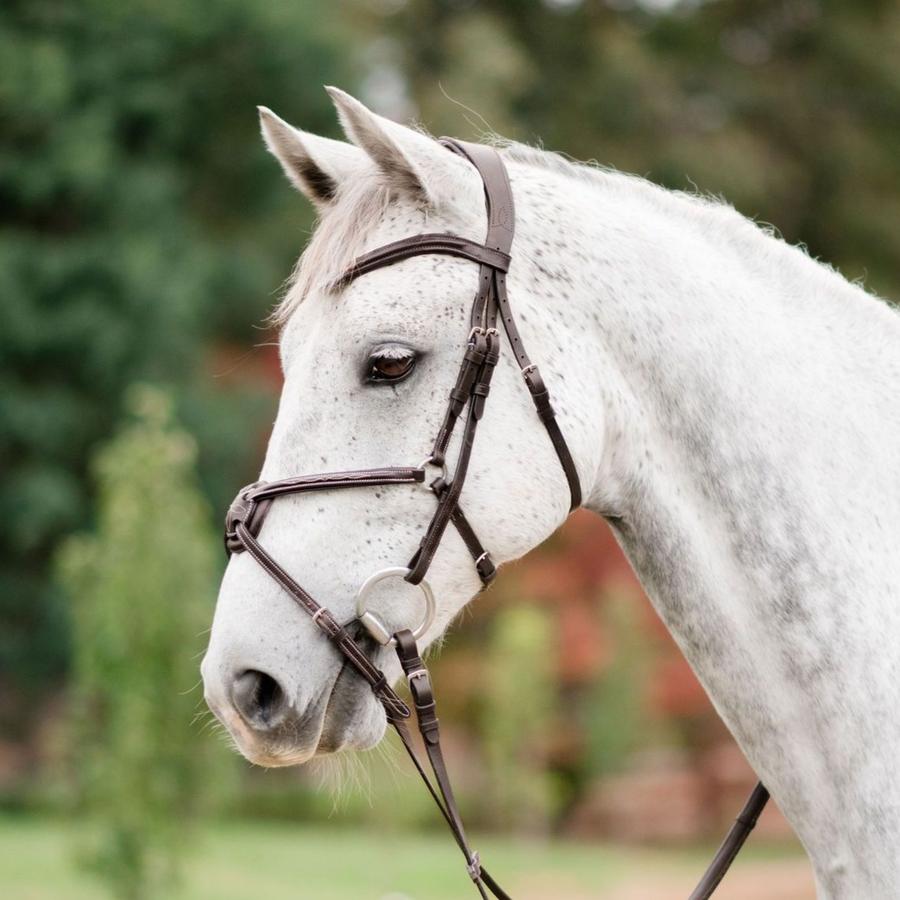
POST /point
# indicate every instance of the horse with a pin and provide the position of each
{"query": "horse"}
(732, 411)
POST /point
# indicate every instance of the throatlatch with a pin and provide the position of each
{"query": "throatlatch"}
(466, 403)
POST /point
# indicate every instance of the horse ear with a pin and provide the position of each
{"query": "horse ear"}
(316, 166)
(415, 163)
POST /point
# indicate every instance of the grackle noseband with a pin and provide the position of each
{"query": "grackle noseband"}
(469, 395)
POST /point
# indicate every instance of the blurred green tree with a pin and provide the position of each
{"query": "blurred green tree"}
(140, 221)
(517, 714)
(789, 109)
(140, 589)
(617, 715)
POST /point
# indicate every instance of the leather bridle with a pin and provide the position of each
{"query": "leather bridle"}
(468, 396)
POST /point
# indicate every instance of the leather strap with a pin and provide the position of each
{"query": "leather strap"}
(461, 392)
(734, 840)
(419, 245)
(498, 198)
(501, 227)
(252, 503)
(484, 565)
(449, 498)
(540, 396)
(323, 481)
(332, 629)
(429, 727)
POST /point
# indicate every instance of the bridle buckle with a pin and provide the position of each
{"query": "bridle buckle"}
(416, 673)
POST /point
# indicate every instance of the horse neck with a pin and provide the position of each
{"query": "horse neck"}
(751, 440)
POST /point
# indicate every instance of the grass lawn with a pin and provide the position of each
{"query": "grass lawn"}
(302, 862)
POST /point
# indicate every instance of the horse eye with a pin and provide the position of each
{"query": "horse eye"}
(390, 368)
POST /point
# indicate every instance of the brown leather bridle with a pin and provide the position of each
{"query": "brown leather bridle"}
(469, 395)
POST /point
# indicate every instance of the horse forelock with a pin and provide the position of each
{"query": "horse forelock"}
(338, 238)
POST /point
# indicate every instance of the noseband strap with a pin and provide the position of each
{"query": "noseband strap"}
(466, 403)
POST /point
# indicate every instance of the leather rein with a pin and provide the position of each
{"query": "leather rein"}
(468, 396)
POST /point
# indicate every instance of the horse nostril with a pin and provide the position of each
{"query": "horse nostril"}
(259, 699)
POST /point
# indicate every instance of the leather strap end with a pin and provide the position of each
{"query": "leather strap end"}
(233, 543)
(540, 394)
(486, 569)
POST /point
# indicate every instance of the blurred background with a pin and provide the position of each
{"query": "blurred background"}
(144, 235)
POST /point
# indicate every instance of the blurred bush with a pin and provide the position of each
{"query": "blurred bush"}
(516, 717)
(141, 226)
(789, 109)
(620, 720)
(139, 592)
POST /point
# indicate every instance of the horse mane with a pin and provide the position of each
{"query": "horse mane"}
(337, 240)
(711, 213)
(361, 205)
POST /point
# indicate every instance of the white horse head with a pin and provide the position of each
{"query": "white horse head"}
(731, 406)
(367, 372)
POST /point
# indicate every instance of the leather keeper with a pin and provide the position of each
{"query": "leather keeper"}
(458, 399)
(249, 512)
(327, 622)
(539, 393)
(480, 391)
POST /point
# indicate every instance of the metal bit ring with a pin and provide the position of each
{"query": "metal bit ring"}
(373, 623)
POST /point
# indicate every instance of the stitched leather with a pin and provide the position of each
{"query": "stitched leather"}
(253, 501)
(419, 245)
(331, 480)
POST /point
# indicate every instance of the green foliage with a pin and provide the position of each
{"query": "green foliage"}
(140, 220)
(617, 719)
(517, 717)
(140, 591)
(790, 110)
